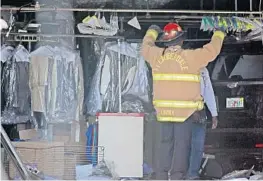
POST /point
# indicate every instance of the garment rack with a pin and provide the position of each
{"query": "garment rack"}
(27, 37)
(133, 10)
(63, 35)
(39, 37)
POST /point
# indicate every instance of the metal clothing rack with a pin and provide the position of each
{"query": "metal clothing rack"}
(133, 10)
(27, 37)
(180, 18)
(41, 36)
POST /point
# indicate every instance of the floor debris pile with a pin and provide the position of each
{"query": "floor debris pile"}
(244, 175)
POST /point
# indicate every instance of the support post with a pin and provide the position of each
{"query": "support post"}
(214, 5)
(251, 8)
(201, 4)
(236, 6)
(119, 74)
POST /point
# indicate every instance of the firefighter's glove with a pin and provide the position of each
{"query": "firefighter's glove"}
(156, 28)
(219, 34)
(154, 31)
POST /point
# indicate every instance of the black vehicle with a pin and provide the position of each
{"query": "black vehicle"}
(238, 141)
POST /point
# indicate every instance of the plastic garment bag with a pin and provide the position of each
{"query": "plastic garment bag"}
(56, 83)
(138, 97)
(15, 87)
(6, 53)
(94, 98)
(135, 92)
(128, 66)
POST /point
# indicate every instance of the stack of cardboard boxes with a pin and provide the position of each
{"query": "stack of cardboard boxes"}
(57, 158)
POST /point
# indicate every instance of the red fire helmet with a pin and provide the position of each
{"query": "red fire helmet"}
(172, 27)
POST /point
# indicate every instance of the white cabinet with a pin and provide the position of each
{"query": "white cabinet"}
(121, 135)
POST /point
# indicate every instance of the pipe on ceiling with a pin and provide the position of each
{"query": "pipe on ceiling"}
(183, 17)
(91, 36)
(134, 10)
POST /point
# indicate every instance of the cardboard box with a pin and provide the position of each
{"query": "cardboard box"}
(62, 132)
(47, 157)
(55, 159)
(64, 150)
(28, 134)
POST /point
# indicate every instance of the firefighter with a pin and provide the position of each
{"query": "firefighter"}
(176, 89)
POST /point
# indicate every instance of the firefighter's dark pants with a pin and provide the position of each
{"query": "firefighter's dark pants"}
(174, 150)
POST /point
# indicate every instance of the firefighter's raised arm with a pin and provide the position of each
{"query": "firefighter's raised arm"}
(150, 51)
(202, 56)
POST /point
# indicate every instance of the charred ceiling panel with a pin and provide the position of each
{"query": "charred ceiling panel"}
(101, 3)
(170, 4)
(122, 4)
(17, 3)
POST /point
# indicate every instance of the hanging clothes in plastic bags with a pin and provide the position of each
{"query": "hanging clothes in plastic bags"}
(135, 89)
(234, 24)
(129, 65)
(90, 52)
(94, 99)
(137, 97)
(15, 85)
(56, 82)
(6, 53)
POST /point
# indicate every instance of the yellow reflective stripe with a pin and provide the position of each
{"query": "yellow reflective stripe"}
(219, 34)
(152, 33)
(178, 104)
(171, 119)
(177, 77)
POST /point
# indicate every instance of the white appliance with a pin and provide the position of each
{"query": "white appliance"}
(121, 135)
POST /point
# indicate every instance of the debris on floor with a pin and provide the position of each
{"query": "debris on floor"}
(244, 175)
(102, 171)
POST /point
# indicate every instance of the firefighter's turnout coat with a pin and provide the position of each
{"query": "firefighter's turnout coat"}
(176, 76)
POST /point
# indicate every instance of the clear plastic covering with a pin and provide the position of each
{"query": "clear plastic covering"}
(15, 87)
(135, 89)
(94, 99)
(56, 84)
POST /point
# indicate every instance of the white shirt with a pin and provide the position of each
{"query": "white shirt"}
(207, 92)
